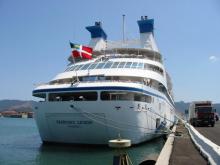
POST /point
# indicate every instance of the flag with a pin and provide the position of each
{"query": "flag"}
(81, 51)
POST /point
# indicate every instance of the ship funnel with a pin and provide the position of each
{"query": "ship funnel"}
(98, 36)
(146, 29)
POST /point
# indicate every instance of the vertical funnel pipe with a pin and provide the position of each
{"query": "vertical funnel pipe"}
(146, 25)
(97, 31)
(98, 37)
(146, 29)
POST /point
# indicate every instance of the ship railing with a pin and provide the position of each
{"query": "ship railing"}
(124, 81)
(130, 53)
(132, 43)
(120, 49)
(40, 84)
(101, 81)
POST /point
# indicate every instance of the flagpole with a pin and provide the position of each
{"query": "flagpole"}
(74, 62)
(123, 30)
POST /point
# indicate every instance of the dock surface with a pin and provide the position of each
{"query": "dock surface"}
(212, 133)
(184, 151)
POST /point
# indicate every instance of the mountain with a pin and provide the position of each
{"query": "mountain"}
(16, 105)
(181, 106)
(217, 107)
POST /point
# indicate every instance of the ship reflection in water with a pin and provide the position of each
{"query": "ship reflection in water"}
(21, 144)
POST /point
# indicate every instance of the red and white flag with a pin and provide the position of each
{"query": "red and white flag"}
(81, 51)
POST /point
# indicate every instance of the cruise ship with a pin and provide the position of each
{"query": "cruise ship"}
(122, 90)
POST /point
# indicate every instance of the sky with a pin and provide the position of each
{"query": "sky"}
(35, 35)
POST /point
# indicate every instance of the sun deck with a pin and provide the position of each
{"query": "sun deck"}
(122, 53)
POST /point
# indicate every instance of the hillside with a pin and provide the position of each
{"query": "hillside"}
(181, 106)
(16, 105)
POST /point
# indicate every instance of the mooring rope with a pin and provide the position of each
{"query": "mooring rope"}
(95, 118)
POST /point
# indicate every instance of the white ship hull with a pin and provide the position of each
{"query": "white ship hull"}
(97, 122)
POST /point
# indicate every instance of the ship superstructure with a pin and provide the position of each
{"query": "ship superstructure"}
(124, 89)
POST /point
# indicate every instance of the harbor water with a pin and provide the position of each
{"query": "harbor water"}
(20, 144)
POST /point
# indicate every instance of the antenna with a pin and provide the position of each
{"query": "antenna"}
(123, 27)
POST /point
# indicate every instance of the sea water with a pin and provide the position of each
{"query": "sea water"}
(20, 144)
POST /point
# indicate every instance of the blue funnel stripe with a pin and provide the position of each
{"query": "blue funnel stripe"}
(146, 25)
(96, 32)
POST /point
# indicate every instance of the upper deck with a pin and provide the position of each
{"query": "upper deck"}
(135, 60)
(122, 53)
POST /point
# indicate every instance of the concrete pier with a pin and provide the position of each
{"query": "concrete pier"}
(184, 151)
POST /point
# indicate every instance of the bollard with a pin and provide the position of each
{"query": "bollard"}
(122, 157)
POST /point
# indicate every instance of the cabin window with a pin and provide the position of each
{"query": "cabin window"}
(73, 67)
(61, 81)
(78, 68)
(92, 66)
(115, 65)
(108, 65)
(123, 95)
(140, 66)
(90, 78)
(116, 95)
(142, 98)
(73, 96)
(137, 97)
(128, 65)
(148, 99)
(42, 96)
(85, 66)
(134, 65)
(121, 65)
(100, 65)
(68, 69)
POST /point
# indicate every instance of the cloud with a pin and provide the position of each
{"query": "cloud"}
(213, 58)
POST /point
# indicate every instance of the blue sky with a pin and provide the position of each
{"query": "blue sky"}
(34, 40)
